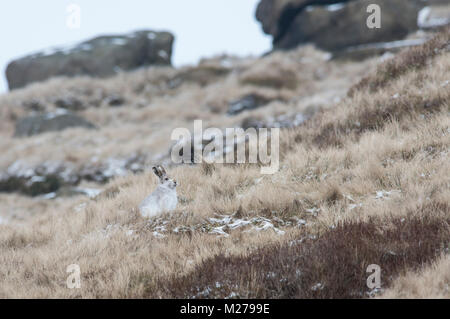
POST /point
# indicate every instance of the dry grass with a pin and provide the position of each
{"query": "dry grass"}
(153, 107)
(369, 174)
(331, 266)
(431, 282)
(411, 59)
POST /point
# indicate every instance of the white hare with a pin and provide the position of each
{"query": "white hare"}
(164, 197)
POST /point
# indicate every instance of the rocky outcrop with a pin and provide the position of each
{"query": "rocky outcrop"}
(50, 177)
(32, 187)
(41, 179)
(336, 25)
(102, 56)
(57, 121)
(345, 26)
(277, 15)
(247, 102)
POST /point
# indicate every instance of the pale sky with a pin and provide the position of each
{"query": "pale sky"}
(202, 27)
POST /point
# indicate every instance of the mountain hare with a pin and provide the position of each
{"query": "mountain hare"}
(164, 197)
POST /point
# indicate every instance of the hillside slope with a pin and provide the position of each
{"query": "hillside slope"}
(366, 180)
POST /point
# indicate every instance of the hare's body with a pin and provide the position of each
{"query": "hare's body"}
(164, 197)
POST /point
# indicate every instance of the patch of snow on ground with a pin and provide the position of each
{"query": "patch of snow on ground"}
(388, 45)
(90, 192)
(158, 235)
(335, 7)
(115, 167)
(385, 194)
(49, 196)
(313, 211)
(318, 286)
(266, 225)
(228, 222)
(353, 206)
(55, 114)
(219, 231)
(129, 232)
(80, 207)
(232, 295)
(118, 41)
(163, 54)
(423, 16)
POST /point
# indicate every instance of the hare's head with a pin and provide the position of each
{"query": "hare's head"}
(164, 180)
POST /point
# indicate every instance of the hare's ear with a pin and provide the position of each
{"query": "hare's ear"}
(157, 171)
(162, 170)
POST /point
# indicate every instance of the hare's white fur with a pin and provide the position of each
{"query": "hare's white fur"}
(164, 197)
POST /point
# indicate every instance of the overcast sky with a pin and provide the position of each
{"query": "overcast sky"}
(202, 27)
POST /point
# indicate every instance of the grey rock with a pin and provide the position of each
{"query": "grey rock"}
(70, 103)
(115, 100)
(49, 122)
(33, 181)
(34, 105)
(101, 57)
(335, 30)
(251, 122)
(335, 25)
(276, 16)
(102, 172)
(248, 102)
(30, 186)
(61, 178)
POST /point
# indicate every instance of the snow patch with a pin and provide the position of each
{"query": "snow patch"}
(163, 54)
(318, 286)
(2, 221)
(426, 19)
(385, 194)
(90, 192)
(335, 7)
(118, 41)
(423, 16)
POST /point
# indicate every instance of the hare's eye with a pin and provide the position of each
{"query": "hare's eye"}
(167, 179)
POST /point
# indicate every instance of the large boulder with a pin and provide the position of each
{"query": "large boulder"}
(102, 56)
(58, 121)
(345, 26)
(336, 25)
(276, 15)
